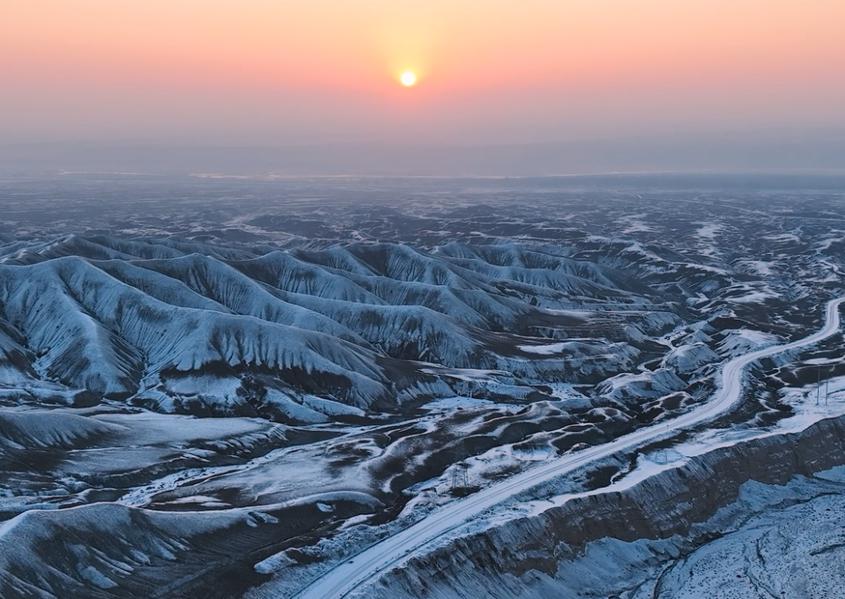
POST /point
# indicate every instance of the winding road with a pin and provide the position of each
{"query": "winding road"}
(377, 559)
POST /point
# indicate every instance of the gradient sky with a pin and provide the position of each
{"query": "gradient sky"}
(492, 72)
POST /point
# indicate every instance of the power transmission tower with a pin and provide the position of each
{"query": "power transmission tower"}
(460, 480)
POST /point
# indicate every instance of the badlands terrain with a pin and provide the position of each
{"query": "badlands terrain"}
(227, 386)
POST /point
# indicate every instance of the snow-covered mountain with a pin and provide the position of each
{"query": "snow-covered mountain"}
(163, 325)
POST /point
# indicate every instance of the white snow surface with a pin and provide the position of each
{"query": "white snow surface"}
(548, 349)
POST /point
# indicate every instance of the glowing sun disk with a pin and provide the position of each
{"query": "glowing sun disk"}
(408, 78)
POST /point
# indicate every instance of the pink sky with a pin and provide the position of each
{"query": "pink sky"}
(491, 71)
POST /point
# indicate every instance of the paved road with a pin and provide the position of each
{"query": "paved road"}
(392, 551)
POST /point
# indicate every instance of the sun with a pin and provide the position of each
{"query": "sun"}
(408, 78)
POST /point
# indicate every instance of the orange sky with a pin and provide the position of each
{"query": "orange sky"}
(491, 71)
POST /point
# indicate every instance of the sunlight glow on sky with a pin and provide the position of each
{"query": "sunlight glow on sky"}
(323, 71)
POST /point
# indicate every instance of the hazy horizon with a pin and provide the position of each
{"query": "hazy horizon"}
(774, 154)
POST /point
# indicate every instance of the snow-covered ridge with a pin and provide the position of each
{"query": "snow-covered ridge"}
(137, 318)
(394, 551)
(607, 542)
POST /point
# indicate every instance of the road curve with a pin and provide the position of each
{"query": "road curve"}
(390, 552)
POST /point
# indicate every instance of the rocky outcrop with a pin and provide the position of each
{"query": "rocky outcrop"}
(583, 547)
